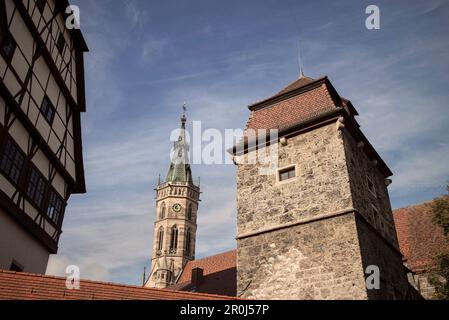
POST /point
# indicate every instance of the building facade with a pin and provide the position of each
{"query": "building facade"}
(177, 201)
(41, 100)
(312, 228)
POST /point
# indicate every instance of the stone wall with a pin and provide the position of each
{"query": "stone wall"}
(378, 251)
(303, 238)
(317, 260)
(360, 167)
(321, 185)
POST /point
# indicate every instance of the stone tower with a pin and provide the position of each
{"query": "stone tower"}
(176, 215)
(314, 227)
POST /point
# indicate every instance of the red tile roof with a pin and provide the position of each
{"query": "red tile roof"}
(219, 275)
(300, 101)
(25, 286)
(420, 239)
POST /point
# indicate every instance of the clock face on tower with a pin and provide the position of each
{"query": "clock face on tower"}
(176, 207)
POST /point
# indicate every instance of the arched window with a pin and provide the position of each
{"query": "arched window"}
(160, 239)
(189, 213)
(162, 213)
(174, 239)
(188, 242)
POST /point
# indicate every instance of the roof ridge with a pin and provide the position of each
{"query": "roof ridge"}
(284, 91)
(215, 255)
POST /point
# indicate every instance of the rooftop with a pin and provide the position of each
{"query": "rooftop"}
(25, 286)
(420, 239)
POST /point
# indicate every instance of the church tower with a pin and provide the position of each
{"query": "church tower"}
(176, 214)
(319, 223)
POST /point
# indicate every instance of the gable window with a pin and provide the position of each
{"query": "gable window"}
(47, 110)
(55, 207)
(12, 161)
(8, 46)
(36, 187)
(40, 4)
(371, 186)
(287, 174)
(60, 44)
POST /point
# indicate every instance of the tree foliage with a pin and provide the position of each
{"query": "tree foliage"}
(440, 280)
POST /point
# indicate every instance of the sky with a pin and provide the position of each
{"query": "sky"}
(149, 57)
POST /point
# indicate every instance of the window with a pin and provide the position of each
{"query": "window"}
(160, 239)
(55, 207)
(286, 174)
(15, 266)
(8, 46)
(40, 4)
(12, 161)
(189, 213)
(162, 214)
(60, 43)
(188, 243)
(371, 186)
(36, 187)
(47, 110)
(174, 240)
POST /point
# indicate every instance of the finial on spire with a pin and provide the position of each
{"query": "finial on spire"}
(183, 116)
(300, 62)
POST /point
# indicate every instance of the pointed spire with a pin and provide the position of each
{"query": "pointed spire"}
(300, 62)
(179, 170)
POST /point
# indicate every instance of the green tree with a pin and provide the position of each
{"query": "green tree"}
(440, 280)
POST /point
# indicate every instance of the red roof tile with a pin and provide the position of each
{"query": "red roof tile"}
(25, 286)
(420, 239)
(300, 101)
(219, 275)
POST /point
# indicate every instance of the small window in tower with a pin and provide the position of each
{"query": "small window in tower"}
(12, 161)
(287, 174)
(160, 239)
(174, 240)
(60, 44)
(188, 243)
(162, 213)
(371, 186)
(47, 110)
(189, 213)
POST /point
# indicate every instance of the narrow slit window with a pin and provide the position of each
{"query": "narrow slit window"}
(287, 174)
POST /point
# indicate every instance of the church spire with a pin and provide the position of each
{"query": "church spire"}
(179, 170)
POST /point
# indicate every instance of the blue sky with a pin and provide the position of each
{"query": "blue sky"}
(148, 57)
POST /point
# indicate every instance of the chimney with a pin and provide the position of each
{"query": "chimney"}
(197, 276)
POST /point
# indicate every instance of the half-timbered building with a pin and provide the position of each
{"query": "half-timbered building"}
(41, 100)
